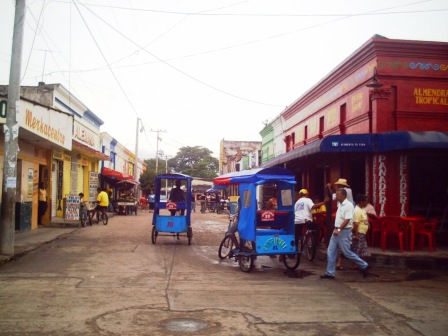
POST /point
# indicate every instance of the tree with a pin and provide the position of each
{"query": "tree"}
(195, 161)
(148, 177)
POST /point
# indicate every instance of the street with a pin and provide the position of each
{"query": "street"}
(110, 280)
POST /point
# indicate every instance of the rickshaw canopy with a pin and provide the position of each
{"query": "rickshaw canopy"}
(255, 175)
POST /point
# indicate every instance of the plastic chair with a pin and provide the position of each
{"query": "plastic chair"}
(375, 229)
(393, 226)
(427, 229)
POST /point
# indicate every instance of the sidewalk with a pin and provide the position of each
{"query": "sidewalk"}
(417, 260)
(30, 240)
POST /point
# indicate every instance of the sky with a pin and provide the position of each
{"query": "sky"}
(200, 70)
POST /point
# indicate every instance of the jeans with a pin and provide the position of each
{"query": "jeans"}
(342, 240)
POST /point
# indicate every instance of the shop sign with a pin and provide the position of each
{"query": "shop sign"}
(382, 187)
(84, 135)
(58, 155)
(93, 185)
(72, 204)
(171, 206)
(430, 96)
(403, 184)
(49, 124)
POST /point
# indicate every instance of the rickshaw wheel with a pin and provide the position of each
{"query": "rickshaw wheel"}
(154, 235)
(292, 261)
(246, 263)
(189, 235)
(225, 247)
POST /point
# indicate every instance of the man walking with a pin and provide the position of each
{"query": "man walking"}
(342, 236)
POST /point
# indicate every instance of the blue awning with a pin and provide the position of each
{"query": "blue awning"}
(402, 140)
(367, 143)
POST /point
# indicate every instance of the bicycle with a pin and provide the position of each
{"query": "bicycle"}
(103, 216)
(310, 240)
(84, 214)
(230, 241)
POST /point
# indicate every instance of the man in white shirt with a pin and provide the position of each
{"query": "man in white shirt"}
(341, 237)
(302, 212)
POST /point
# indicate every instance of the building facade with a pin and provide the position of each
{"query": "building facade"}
(380, 119)
(232, 153)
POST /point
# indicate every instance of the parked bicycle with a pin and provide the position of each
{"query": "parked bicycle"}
(230, 240)
(84, 214)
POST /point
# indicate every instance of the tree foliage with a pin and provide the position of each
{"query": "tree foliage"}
(195, 161)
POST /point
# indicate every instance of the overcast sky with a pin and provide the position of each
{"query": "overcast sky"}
(212, 69)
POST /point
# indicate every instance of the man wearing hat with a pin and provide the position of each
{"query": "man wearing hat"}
(342, 183)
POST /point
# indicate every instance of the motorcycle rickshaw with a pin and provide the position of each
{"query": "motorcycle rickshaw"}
(168, 223)
(262, 230)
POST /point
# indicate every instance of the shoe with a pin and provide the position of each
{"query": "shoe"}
(365, 272)
(326, 276)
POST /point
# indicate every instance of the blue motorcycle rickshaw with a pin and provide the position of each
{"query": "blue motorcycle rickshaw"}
(171, 222)
(265, 227)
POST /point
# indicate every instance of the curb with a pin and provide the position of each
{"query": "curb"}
(417, 262)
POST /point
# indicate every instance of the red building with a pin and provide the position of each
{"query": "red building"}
(380, 119)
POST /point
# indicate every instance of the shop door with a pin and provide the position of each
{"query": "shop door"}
(54, 187)
(357, 177)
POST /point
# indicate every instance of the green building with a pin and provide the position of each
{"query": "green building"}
(267, 143)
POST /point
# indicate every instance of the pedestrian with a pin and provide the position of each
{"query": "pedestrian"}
(369, 209)
(342, 183)
(341, 237)
(360, 228)
(103, 203)
(42, 202)
(303, 213)
(272, 203)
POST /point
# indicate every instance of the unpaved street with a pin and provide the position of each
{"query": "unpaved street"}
(110, 280)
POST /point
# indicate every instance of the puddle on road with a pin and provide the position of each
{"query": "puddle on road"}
(184, 325)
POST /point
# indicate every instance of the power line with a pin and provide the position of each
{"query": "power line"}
(34, 39)
(258, 14)
(178, 69)
(105, 59)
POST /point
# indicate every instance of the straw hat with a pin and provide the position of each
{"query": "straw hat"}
(342, 182)
(303, 191)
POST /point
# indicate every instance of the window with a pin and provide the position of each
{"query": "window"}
(286, 195)
(321, 127)
(293, 139)
(305, 134)
(342, 118)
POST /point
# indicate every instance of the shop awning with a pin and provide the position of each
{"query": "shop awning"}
(376, 142)
(86, 150)
(116, 175)
(299, 152)
(402, 140)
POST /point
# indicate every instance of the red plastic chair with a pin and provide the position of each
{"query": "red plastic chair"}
(393, 226)
(428, 230)
(375, 229)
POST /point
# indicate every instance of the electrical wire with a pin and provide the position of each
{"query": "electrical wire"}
(34, 39)
(257, 14)
(105, 59)
(178, 69)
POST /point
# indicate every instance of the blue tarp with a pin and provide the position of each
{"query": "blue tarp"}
(255, 175)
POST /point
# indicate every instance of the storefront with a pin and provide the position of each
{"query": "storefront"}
(380, 120)
(43, 131)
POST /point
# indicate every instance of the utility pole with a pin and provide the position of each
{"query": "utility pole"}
(166, 157)
(11, 130)
(137, 131)
(158, 131)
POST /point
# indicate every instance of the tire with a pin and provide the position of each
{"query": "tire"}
(292, 261)
(189, 235)
(225, 247)
(246, 263)
(104, 218)
(154, 235)
(310, 246)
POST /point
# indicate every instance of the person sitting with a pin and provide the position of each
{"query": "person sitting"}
(177, 195)
(272, 203)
